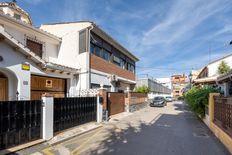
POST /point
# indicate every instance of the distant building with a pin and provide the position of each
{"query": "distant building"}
(179, 83)
(156, 88)
(165, 82)
(195, 73)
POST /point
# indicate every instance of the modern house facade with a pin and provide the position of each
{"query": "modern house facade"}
(103, 61)
(179, 82)
(60, 59)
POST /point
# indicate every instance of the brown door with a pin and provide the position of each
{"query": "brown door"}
(115, 103)
(3, 89)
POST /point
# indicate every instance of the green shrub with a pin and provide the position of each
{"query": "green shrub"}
(142, 89)
(223, 68)
(197, 98)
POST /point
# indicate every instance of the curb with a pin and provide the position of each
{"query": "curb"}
(75, 135)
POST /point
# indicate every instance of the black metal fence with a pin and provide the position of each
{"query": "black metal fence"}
(20, 122)
(70, 112)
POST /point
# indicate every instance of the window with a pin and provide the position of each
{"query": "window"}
(122, 63)
(130, 67)
(116, 60)
(35, 47)
(92, 48)
(98, 51)
(106, 55)
(17, 16)
(82, 41)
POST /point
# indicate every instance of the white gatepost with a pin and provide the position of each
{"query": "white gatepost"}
(47, 117)
(99, 109)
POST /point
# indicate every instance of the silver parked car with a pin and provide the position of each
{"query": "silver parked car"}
(158, 101)
(168, 98)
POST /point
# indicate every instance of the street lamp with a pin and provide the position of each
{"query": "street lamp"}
(190, 79)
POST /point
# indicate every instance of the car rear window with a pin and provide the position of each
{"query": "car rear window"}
(158, 98)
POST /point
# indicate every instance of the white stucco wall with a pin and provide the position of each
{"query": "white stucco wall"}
(213, 67)
(20, 33)
(11, 67)
(69, 49)
(65, 29)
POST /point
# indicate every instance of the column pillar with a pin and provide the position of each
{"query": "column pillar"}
(47, 116)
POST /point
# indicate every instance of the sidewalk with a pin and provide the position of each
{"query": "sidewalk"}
(69, 134)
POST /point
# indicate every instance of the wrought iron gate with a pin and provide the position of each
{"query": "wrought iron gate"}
(70, 112)
(20, 122)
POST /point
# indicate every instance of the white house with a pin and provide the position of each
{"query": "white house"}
(209, 73)
(60, 59)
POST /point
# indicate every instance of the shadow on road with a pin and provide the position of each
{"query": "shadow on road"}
(180, 133)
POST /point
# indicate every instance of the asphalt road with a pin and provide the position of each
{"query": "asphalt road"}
(172, 130)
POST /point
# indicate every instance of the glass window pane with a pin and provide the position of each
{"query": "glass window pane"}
(122, 64)
(92, 48)
(98, 51)
(106, 55)
(116, 60)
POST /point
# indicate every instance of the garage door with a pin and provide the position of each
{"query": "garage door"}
(42, 84)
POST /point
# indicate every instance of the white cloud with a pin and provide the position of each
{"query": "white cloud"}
(181, 19)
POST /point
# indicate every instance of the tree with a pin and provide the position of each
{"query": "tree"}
(142, 89)
(223, 68)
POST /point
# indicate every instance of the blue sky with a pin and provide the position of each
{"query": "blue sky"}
(169, 36)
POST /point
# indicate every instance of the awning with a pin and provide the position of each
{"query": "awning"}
(206, 80)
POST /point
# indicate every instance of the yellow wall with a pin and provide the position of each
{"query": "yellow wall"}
(220, 134)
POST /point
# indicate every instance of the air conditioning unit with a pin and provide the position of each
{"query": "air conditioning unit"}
(113, 78)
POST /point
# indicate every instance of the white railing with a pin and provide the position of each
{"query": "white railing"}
(84, 93)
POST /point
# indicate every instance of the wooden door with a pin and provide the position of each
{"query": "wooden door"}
(115, 103)
(3, 89)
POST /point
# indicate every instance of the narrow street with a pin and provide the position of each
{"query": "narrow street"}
(160, 131)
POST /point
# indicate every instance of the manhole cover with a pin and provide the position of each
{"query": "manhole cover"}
(203, 135)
